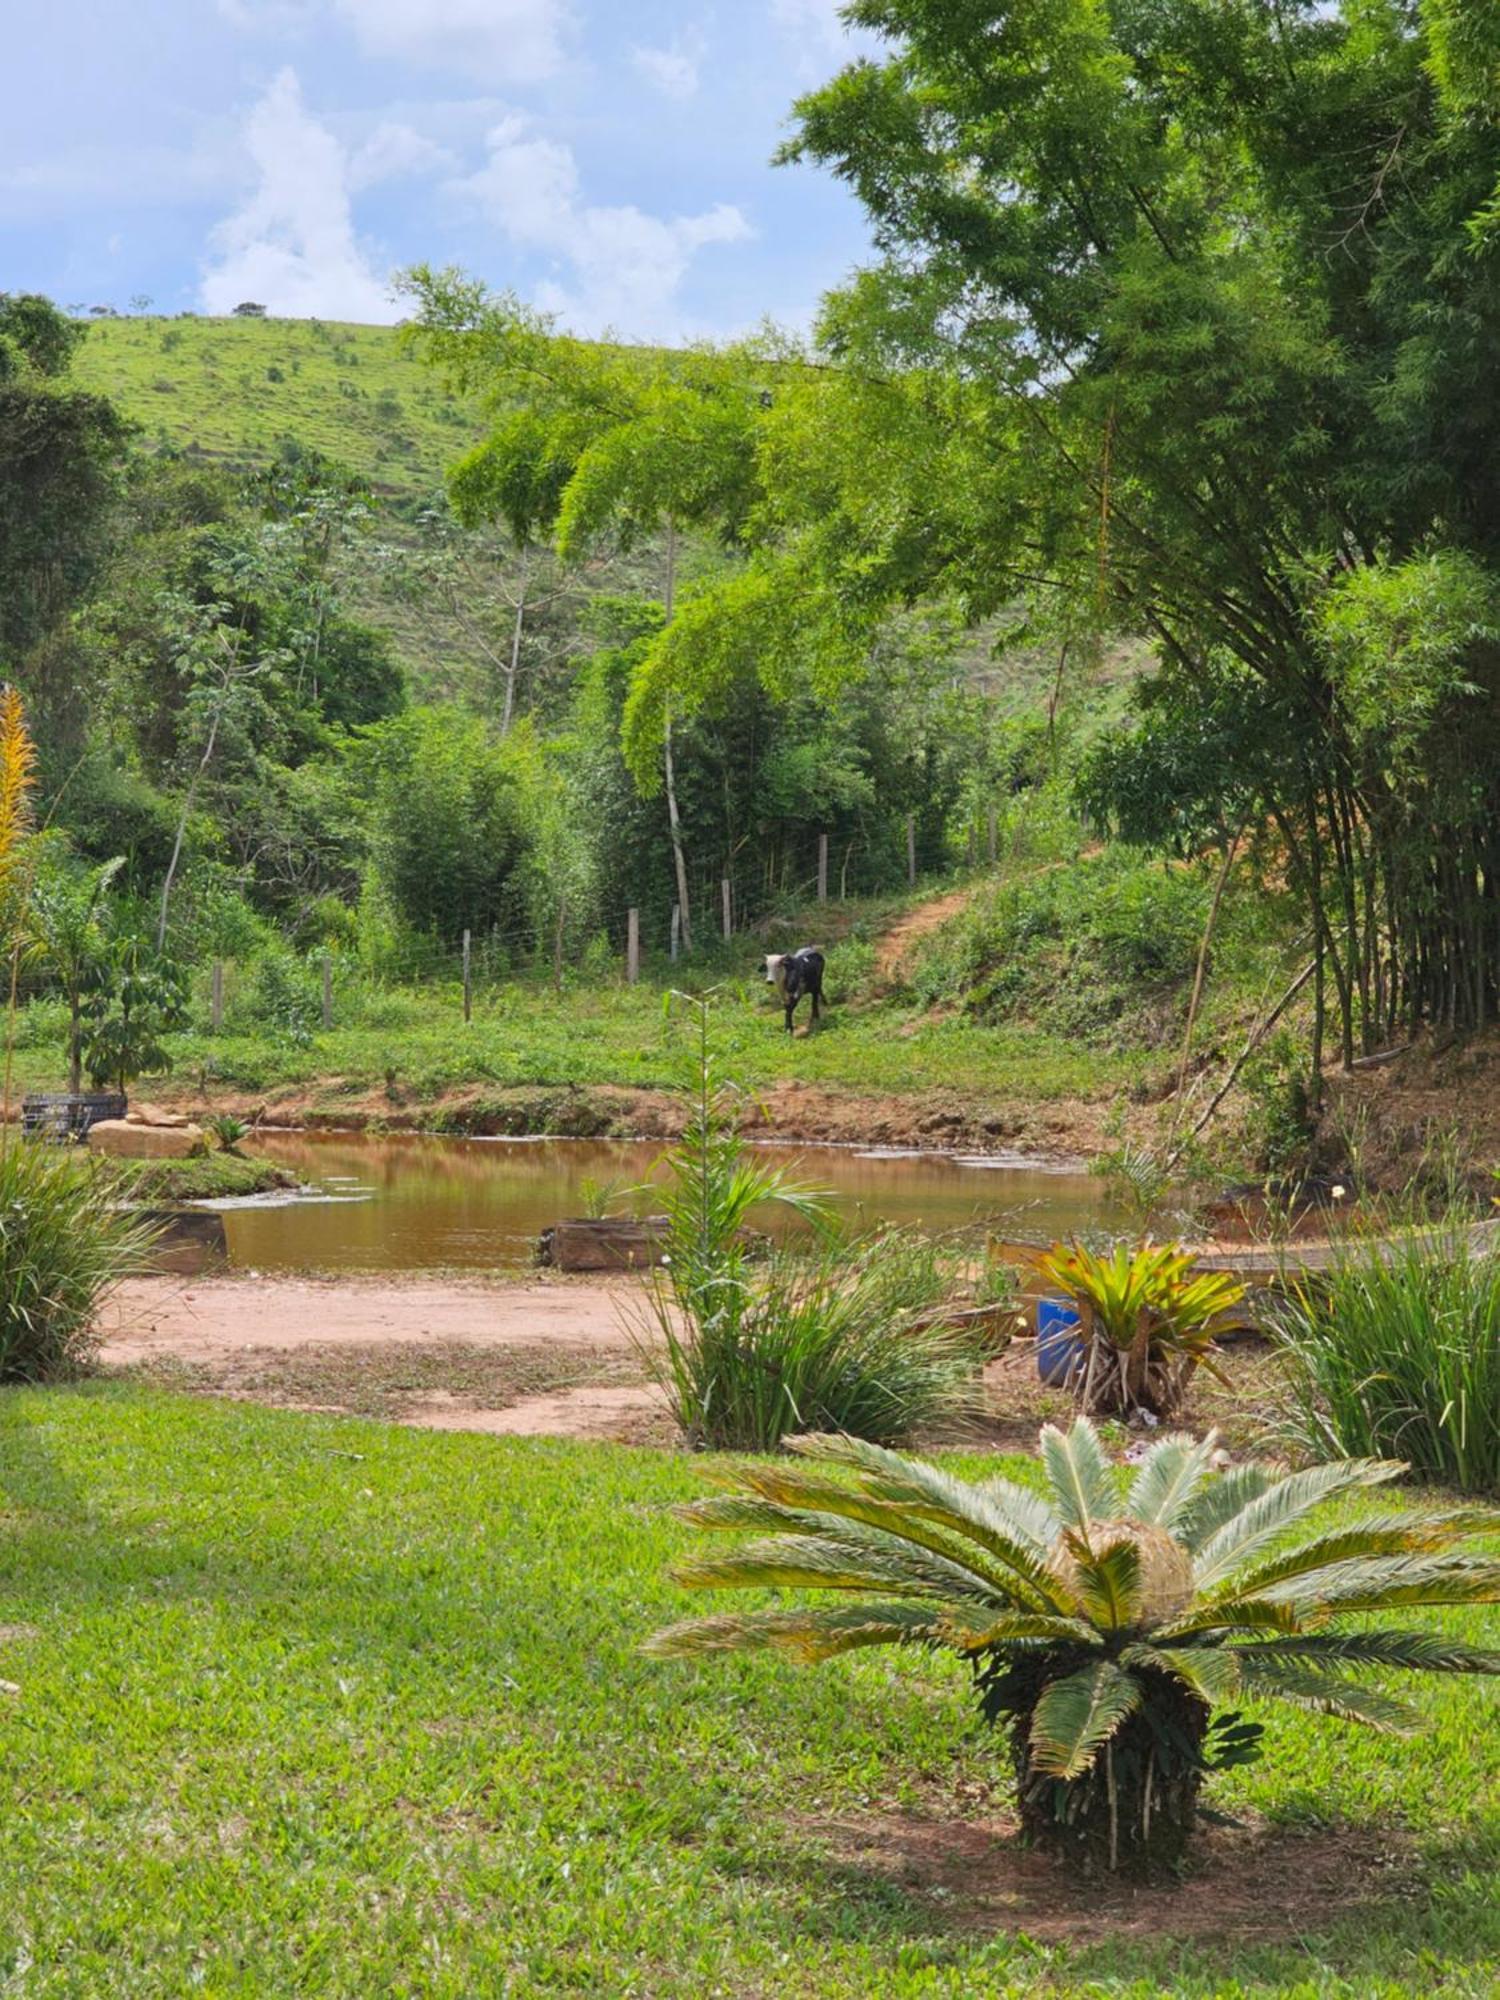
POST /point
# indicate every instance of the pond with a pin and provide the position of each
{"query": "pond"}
(407, 1203)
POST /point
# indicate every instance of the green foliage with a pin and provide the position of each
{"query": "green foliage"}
(1104, 1623)
(139, 998)
(1399, 1350)
(64, 1242)
(227, 1130)
(1146, 1322)
(449, 828)
(748, 1346)
(1093, 947)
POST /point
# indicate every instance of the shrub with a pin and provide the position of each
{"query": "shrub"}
(1080, 945)
(1399, 1351)
(1146, 1323)
(843, 1338)
(1104, 1625)
(64, 1242)
(751, 1344)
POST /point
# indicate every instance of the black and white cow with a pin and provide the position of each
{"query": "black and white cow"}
(794, 973)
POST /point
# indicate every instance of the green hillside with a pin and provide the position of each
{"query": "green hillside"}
(230, 388)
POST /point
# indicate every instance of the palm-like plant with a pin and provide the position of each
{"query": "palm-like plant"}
(1146, 1322)
(1105, 1624)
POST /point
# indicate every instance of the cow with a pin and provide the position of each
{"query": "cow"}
(794, 973)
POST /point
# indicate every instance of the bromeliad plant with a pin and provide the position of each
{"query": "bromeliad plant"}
(1146, 1323)
(1109, 1629)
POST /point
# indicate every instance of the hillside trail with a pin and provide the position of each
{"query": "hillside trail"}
(897, 944)
(893, 949)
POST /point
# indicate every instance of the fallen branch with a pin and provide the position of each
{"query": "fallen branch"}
(1257, 1036)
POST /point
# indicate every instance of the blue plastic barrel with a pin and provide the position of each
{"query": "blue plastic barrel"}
(1059, 1351)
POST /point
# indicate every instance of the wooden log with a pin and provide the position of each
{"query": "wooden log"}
(604, 1243)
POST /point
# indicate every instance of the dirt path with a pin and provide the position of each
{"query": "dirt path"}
(900, 940)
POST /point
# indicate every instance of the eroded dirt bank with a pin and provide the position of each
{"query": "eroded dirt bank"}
(798, 1113)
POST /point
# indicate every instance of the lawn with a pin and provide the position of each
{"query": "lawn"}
(319, 1706)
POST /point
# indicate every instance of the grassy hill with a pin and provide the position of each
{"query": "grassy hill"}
(230, 388)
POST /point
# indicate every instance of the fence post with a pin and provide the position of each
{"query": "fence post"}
(468, 981)
(972, 849)
(676, 929)
(911, 850)
(557, 944)
(632, 946)
(327, 992)
(216, 997)
(822, 867)
(992, 847)
(725, 894)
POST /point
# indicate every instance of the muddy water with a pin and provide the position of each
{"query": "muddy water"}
(412, 1204)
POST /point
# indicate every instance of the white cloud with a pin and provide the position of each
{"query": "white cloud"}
(624, 267)
(672, 70)
(506, 41)
(292, 245)
(396, 151)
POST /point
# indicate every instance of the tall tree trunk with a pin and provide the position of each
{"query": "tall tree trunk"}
(182, 820)
(513, 669)
(674, 821)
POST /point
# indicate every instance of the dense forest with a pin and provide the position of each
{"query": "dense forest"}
(1143, 484)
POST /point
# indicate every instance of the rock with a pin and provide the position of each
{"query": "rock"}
(125, 1139)
(154, 1115)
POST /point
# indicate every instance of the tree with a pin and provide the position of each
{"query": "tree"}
(1193, 304)
(140, 998)
(60, 456)
(450, 831)
(69, 918)
(595, 443)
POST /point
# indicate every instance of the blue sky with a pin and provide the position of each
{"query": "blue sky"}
(607, 159)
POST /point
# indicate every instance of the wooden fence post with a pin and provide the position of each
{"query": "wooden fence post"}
(911, 850)
(557, 944)
(327, 992)
(216, 998)
(632, 946)
(992, 849)
(726, 897)
(676, 930)
(468, 981)
(822, 867)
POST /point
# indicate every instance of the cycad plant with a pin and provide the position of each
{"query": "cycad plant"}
(1146, 1322)
(1107, 1626)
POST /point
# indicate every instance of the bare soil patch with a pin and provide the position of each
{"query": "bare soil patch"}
(1254, 1882)
(898, 943)
(540, 1357)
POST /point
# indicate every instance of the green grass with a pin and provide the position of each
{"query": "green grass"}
(212, 1176)
(311, 1706)
(349, 392)
(525, 1037)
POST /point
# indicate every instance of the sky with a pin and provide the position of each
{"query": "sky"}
(607, 160)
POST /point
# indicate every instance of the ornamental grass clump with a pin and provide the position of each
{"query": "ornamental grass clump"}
(1397, 1349)
(1146, 1323)
(1110, 1626)
(64, 1243)
(750, 1341)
